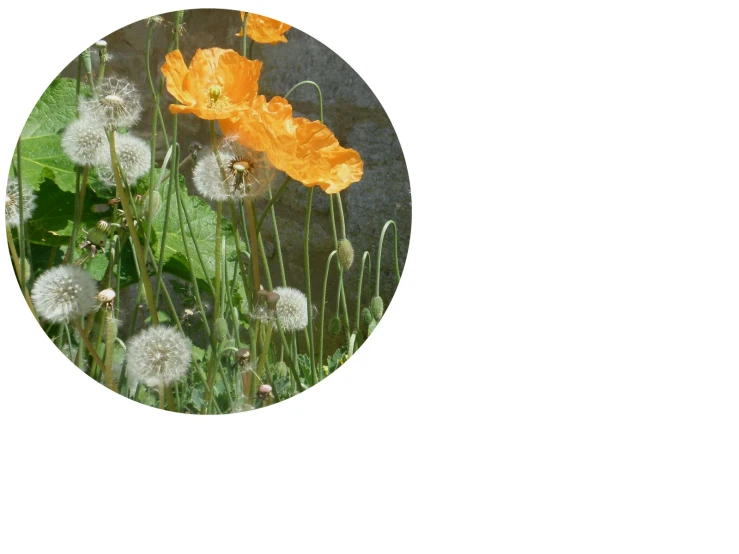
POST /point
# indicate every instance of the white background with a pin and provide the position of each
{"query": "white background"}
(558, 370)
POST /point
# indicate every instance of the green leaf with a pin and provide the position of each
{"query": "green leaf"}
(42, 156)
(203, 219)
(51, 223)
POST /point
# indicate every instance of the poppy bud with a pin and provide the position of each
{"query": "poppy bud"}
(334, 326)
(282, 369)
(345, 253)
(221, 329)
(366, 317)
(377, 308)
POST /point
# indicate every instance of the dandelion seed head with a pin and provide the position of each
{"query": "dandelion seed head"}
(292, 309)
(246, 173)
(134, 159)
(64, 293)
(12, 203)
(84, 142)
(158, 355)
(117, 105)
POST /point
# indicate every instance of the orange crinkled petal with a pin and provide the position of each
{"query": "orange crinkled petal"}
(265, 30)
(306, 150)
(236, 76)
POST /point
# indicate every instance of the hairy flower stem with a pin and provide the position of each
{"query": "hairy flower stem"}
(161, 397)
(269, 208)
(138, 249)
(17, 266)
(239, 257)
(323, 309)
(91, 349)
(306, 254)
(379, 254)
(365, 258)
(171, 406)
(81, 188)
(243, 36)
(342, 295)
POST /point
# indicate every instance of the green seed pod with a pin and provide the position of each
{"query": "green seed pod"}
(377, 308)
(366, 317)
(154, 204)
(345, 253)
(371, 327)
(282, 369)
(334, 326)
(221, 329)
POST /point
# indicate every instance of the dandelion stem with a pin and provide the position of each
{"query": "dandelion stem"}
(81, 188)
(130, 222)
(91, 349)
(17, 265)
(111, 329)
(22, 224)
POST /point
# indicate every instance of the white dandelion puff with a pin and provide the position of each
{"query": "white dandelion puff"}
(64, 293)
(117, 104)
(158, 356)
(84, 142)
(12, 203)
(246, 174)
(134, 159)
(292, 309)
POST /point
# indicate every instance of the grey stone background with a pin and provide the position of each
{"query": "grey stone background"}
(351, 111)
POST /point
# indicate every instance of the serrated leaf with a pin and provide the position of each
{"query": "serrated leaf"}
(42, 156)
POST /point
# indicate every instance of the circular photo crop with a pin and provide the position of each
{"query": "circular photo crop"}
(208, 212)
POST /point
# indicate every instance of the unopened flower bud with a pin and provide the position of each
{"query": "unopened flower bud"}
(366, 317)
(377, 308)
(221, 329)
(345, 253)
(371, 327)
(282, 369)
(334, 326)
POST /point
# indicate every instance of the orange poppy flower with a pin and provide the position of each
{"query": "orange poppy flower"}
(264, 29)
(218, 84)
(306, 150)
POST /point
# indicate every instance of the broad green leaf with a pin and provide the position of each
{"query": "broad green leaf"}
(51, 223)
(42, 156)
(203, 219)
